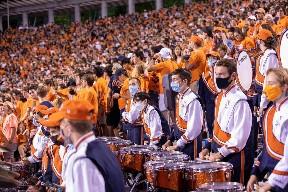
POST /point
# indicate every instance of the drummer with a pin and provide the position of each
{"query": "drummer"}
(91, 165)
(267, 60)
(275, 125)
(189, 116)
(233, 120)
(131, 116)
(53, 153)
(155, 125)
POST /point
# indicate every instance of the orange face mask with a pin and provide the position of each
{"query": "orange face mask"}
(272, 92)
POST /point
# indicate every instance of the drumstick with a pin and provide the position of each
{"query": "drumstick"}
(5, 163)
(8, 173)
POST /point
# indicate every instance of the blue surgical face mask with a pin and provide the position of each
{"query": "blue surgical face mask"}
(133, 89)
(175, 86)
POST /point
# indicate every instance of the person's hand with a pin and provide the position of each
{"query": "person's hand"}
(250, 185)
(172, 148)
(203, 154)
(265, 187)
(167, 144)
(215, 156)
(25, 161)
(260, 112)
(116, 96)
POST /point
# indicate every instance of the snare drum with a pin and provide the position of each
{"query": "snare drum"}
(116, 145)
(200, 173)
(168, 155)
(132, 158)
(165, 174)
(25, 171)
(221, 187)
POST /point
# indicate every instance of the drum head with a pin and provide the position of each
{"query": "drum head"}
(221, 186)
(174, 165)
(211, 166)
(105, 139)
(168, 155)
(284, 49)
(244, 70)
(154, 165)
(137, 149)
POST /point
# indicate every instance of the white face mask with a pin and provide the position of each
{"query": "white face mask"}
(212, 61)
(139, 105)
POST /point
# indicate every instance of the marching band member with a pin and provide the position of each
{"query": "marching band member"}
(189, 116)
(54, 153)
(233, 120)
(40, 139)
(275, 128)
(131, 116)
(278, 180)
(92, 165)
(266, 61)
(155, 125)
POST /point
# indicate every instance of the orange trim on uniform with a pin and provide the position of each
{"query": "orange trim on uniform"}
(271, 141)
(56, 161)
(33, 150)
(181, 124)
(207, 79)
(82, 139)
(195, 148)
(278, 172)
(259, 78)
(242, 167)
(219, 136)
(147, 129)
(45, 161)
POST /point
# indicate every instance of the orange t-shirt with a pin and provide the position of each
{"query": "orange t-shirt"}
(197, 59)
(101, 86)
(89, 94)
(123, 91)
(164, 68)
(10, 123)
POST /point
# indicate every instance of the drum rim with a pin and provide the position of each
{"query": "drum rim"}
(222, 166)
(211, 184)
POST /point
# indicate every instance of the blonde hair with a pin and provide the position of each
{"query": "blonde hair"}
(281, 73)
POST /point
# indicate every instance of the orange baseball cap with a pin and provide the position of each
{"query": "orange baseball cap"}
(52, 121)
(40, 108)
(196, 39)
(264, 34)
(72, 110)
(213, 53)
(49, 111)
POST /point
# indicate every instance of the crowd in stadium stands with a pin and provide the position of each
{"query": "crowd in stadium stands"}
(110, 61)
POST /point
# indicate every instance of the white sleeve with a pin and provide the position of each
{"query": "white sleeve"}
(242, 122)
(37, 155)
(194, 123)
(279, 176)
(87, 177)
(272, 62)
(133, 114)
(155, 126)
